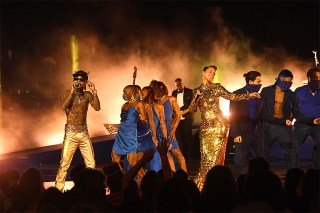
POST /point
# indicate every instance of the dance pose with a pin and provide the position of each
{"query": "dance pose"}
(126, 141)
(279, 108)
(308, 97)
(75, 103)
(158, 119)
(214, 127)
(146, 135)
(245, 123)
(172, 118)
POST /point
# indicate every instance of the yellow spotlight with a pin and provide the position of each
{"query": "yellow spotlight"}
(216, 78)
(74, 54)
(1, 137)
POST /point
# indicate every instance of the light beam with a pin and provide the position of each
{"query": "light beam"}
(74, 54)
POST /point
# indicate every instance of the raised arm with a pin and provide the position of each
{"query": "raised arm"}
(163, 148)
(129, 176)
(93, 99)
(66, 99)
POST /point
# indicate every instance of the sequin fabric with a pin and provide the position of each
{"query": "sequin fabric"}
(75, 129)
(76, 107)
(214, 127)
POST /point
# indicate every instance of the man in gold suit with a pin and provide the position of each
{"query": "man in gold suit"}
(75, 103)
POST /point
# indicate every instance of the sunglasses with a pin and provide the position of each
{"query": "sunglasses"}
(79, 79)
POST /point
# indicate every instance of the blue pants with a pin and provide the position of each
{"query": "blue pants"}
(284, 135)
(301, 132)
(253, 140)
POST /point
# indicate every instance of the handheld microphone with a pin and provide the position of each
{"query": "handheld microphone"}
(77, 85)
(199, 92)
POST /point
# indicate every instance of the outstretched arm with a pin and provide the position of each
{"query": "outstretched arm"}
(163, 148)
(129, 176)
(235, 97)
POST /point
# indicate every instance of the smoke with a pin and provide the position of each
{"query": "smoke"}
(33, 117)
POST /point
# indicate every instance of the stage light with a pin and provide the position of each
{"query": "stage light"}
(74, 54)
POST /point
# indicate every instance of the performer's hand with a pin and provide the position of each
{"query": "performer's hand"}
(163, 147)
(238, 139)
(145, 122)
(199, 93)
(254, 95)
(155, 141)
(147, 155)
(288, 123)
(172, 135)
(72, 88)
(316, 121)
(91, 86)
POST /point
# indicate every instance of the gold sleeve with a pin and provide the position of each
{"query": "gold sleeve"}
(232, 96)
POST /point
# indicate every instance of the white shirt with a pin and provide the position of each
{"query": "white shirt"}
(180, 101)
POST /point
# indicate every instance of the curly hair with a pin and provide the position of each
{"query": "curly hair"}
(150, 96)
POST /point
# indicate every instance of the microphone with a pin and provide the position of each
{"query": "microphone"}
(199, 91)
(77, 85)
(197, 97)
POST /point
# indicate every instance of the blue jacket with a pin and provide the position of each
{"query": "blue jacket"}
(240, 116)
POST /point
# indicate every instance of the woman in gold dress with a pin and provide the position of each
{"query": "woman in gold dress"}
(214, 127)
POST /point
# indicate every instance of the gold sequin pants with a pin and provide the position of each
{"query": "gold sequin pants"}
(73, 140)
(213, 143)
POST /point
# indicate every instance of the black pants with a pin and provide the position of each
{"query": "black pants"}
(301, 132)
(184, 137)
(284, 135)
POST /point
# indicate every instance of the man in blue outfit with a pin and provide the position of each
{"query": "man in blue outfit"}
(279, 104)
(308, 97)
(245, 123)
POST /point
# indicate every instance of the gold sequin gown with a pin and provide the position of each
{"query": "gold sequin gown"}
(214, 127)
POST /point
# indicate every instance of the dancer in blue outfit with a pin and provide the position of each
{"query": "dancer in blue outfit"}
(172, 118)
(146, 140)
(126, 141)
(308, 97)
(157, 111)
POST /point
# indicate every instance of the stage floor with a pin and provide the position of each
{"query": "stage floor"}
(46, 159)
